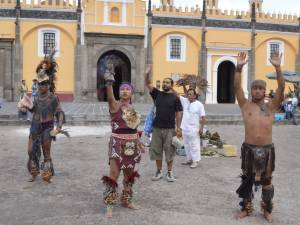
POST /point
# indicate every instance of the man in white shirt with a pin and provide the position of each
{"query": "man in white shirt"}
(192, 126)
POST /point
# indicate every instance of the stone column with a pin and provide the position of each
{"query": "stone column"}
(78, 58)
(149, 57)
(251, 68)
(17, 53)
(8, 78)
(202, 65)
(149, 49)
(2, 71)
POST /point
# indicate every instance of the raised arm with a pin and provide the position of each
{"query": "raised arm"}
(275, 60)
(112, 103)
(109, 80)
(148, 81)
(241, 61)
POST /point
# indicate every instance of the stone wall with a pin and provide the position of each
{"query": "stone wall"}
(6, 70)
(224, 24)
(97, 44)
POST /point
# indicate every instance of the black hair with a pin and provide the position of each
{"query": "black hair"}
(194, 90)
(172, 81)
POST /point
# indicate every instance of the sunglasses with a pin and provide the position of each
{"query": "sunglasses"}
(43, 84)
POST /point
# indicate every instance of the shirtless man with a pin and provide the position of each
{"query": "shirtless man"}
(257, 152)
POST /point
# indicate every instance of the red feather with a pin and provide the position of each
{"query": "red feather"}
(109, 181)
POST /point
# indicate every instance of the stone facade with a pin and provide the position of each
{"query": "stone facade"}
(96, 45)
(39, 14)
(223, 24)
(6, 69)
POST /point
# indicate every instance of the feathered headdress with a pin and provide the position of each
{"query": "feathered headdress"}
(49, 72)
(193, 81)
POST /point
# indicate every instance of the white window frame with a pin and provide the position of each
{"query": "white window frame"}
(41, 40)
(183, 47)
(122, 11)
(281, 50)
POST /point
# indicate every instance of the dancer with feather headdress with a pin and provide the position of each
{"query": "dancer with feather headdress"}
(45, 111)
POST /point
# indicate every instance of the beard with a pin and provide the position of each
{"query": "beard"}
(166, 89)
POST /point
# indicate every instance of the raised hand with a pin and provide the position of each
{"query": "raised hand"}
(275, 59)
(241, 59)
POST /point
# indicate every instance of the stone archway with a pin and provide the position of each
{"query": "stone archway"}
(225, 83)
(122, 73)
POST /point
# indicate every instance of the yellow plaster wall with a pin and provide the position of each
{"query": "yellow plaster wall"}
(290, 52)
(7, 29)
(135, 18)
(228, 38)
(163, 68)
(29, 42)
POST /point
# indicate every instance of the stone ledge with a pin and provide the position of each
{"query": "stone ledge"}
(40, 14)
(223, 24)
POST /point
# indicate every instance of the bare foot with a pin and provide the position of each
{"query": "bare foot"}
(32, 179)
(33, 176)
(268, 216)
(132, 206)
(241, 215)
(109, 211)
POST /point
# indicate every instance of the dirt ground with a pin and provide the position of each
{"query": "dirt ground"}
(205, 195)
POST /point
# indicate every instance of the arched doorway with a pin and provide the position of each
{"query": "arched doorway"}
(122, 73)
(225, 84)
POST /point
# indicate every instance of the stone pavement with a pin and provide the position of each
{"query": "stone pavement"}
(205, 195)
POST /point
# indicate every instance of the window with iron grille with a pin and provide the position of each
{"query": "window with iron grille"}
(274, 47)
(48, 42)
(175, 48)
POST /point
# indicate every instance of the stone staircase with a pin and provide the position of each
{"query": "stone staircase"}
(97, 114)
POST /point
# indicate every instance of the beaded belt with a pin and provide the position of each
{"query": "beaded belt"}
(125, 136)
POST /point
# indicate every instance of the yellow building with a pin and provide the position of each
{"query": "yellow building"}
(176, 40)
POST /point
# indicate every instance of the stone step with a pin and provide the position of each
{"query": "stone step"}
(104, 118)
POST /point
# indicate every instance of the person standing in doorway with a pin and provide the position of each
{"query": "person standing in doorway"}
(34, 88)
(22, 112)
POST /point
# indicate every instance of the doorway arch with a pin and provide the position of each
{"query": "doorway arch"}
(225, 82)
(122, 67)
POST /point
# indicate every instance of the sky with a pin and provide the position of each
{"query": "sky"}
(288, 6)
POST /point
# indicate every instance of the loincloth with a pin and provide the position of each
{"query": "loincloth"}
(125, 149)
(41, 130)
(257, 159)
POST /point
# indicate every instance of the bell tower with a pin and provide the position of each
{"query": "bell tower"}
(167, 2)
(212, 4)
(258, 5)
